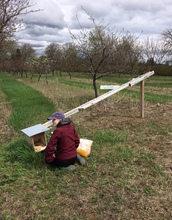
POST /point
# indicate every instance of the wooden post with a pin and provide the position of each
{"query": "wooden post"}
(108, 94)
(108, 100)
(142, 99)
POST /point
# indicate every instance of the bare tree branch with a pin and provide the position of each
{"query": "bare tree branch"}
(10, 10)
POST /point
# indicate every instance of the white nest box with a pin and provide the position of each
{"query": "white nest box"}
(36, 137)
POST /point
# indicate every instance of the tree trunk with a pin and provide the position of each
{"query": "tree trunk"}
(95, 86)
(39, 77)
(31, 76)
(46, 79)
(70, 76)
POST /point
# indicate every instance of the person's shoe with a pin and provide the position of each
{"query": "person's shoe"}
(81, 160)
(70, 168)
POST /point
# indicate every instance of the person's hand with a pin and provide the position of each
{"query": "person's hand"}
(54, 155)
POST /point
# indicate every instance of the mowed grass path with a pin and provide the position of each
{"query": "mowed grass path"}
(120, 181)
(28, 105)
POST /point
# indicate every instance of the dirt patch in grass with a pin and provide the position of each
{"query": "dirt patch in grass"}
(122, 116)
(120, 113)
(151, 134)
(5, 112)
(108, 187)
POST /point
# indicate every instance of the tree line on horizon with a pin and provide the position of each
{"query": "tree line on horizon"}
(97, 52)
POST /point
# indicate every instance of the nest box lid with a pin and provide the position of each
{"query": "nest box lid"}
(33, 130)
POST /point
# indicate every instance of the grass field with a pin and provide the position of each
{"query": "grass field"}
(127, 175)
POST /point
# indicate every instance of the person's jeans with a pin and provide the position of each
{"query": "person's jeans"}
(63, 163)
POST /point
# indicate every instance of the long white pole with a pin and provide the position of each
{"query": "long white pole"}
(104, 96)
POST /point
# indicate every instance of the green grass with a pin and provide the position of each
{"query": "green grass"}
(29, 106)
(122, 178)
(149, 97)
(160, 85)
(41, 186)
(77, 84)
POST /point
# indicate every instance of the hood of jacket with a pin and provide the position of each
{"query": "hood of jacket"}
(65, 121)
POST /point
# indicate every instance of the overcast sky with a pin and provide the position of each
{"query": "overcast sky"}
(50, 25)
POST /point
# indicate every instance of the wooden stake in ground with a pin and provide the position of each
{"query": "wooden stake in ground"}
(142, 99)
(92, 102)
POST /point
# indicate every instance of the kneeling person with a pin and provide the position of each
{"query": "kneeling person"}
(61, 148)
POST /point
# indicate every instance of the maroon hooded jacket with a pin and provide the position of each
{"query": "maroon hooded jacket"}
(65, 139)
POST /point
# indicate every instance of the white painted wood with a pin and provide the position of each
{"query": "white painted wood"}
(108, 87)
(141, 78)
(48, 124)
(33, 130)
(142, 99)
(104, 96)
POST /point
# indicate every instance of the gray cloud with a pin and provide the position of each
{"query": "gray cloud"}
(51, 24)
(50, 15)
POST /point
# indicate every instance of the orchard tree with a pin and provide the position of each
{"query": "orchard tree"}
(104, 52)
(51, 52)
(167, 38)
(9, 47)
(96, 47)
(54, 53)
(69, 58)
(62, 58)
(127, 54)
(155, 52)
(40, 66)
(10, 11)
(20, 59)
(10, 20)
